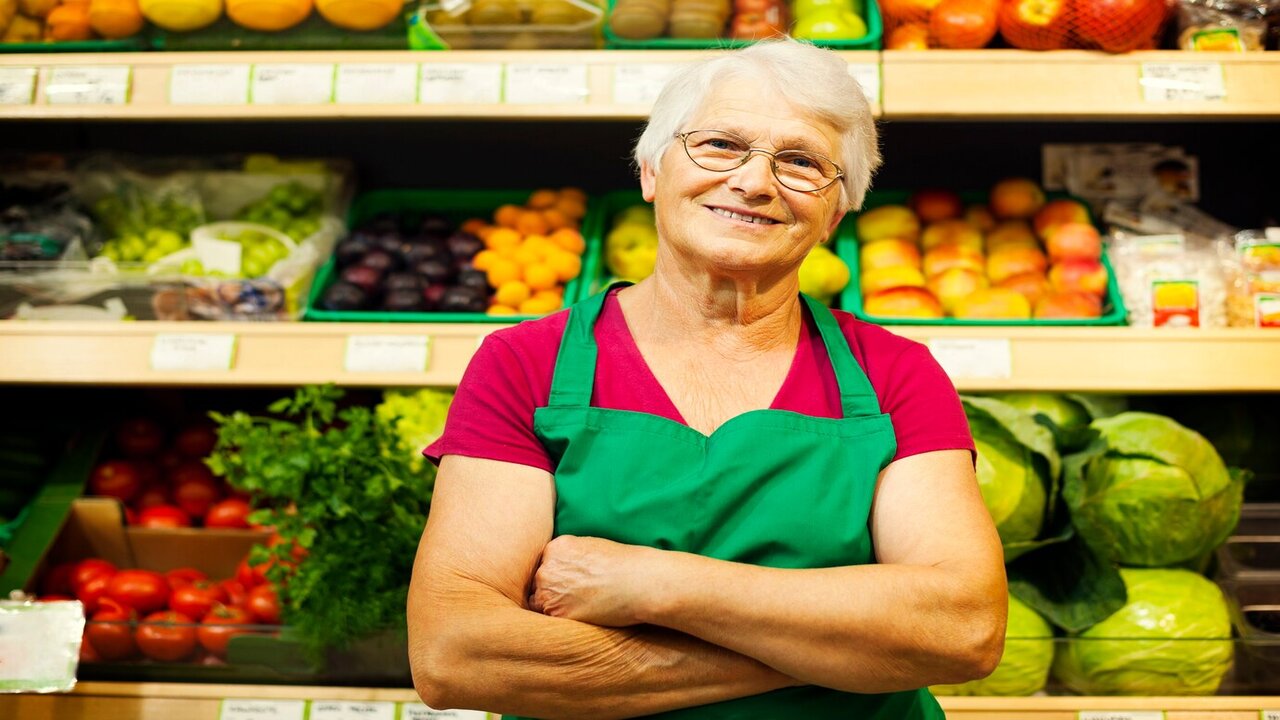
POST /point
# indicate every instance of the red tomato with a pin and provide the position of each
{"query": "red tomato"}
(86, 570)
(110, 632)
(251, 576)
(170, 459)
(264, 605)
(168, 636)
(229, 513)
(92, 590)
(152, 496)
(195, 489)
(148, 472)
(182, 577)
(87, 653)
(297, 552)
(197, 599)
(142, 590)
(163, 516)
(140, 437)
(115, 478)
(222, 624)
(196, 441)
(58, 580)
(130, 516)
(235, 591)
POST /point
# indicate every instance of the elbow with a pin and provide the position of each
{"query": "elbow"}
(980, 648)
(432, 679)
(985, 654)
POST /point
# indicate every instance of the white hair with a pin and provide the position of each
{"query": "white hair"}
(810, 78)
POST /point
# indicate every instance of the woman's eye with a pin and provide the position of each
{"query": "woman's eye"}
(723, 144)
(802, 161)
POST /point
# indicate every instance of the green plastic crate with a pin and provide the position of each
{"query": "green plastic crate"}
(1113, 310)
(870, 41)
(594, 273)
(314, 33)
(457, 205)
(130, 44)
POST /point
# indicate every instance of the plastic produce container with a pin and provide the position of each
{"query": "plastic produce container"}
(314, 33)
(579, 33)
(457, 206)
(1113, 310)
(129, 44)
(870, 41)
(1250, 556)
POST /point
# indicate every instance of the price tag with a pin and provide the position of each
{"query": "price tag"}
(17, 86)
(640, 83)
(292, 84)
(237, 709)
(1155, 245)
(974, 358)
(39, 645)
(193, 352)
(1266, 308)
(376, 84)
(96, 85)
(387, 353)
(463, 83)
(1273, 234)
(346, 710)
(223, 256)
(868, 76)
(418, 711)
(1121, 715)
(546, 84)
(209, 84)
(1269, 715)
(1176, 82)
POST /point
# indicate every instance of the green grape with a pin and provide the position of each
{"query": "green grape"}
(153, 254)
(192, 267)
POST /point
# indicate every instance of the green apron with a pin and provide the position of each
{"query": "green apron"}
(768, 487)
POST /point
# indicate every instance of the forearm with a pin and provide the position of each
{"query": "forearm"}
(869, 628)
(499, 657)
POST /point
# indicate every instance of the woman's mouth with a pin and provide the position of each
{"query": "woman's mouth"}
(753, 219)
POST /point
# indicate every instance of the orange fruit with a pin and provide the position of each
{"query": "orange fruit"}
(540, 305)
(569, 239)
(566, 265)
(571, 207)
(541, 199)
(531, 222)
(556, 293)
(502, 238)
(556, 219)
(502, 272)
(507, 215)
(575, 193)
(540, 276)
(474, 226)
(485, 259)
(527, 255)
(501, 310)
(512, 293)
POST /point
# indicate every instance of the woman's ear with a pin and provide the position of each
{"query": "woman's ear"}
(648, 181)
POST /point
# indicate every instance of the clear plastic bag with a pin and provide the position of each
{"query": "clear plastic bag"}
(1222, 25)
(1252, 264)
(1168, 282)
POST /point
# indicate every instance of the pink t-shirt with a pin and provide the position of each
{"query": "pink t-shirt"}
(510, 376)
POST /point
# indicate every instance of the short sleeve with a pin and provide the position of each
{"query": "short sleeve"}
(492, 412)
(923, 405)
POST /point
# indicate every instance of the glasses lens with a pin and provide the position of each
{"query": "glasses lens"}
(796, 169)
(803, 171)
(714, 150)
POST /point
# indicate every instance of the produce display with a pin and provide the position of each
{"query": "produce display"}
(634, 22)
(27, 455)
(40, 223)
(1114, 26)
(506, 24)
(34, 21)
(1014, 258)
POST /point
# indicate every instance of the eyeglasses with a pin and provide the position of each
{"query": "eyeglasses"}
(720, 151)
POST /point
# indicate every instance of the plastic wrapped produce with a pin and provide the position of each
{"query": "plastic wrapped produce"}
(1167, 282)
(1252, 266)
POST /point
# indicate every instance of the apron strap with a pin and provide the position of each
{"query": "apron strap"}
(857, 397)
(575, 373)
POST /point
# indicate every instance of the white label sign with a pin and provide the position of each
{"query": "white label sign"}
(974, 358)
(96, 85)
(387, 353)
(1269, 715)
(237, 709)
(1176, 82)
(546, 84)
(292, 84)
(17, 86)
(347, 710)
(209, 84)
(466, 83)
(223, 256)
(868, 76)
(640, 83)
(193, 352)
(1121, 715)
(377, 84)
(55, 629)
(418, 711)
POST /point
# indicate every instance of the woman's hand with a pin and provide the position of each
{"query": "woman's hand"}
(593, 580)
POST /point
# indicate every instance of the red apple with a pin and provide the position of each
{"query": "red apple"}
(1035, 24)
(963, 24)
(910, 36)
(1009, 261)
(1119, 25)
(1032, 285)
(903, 302)
(1059, 212)
(933, 205)
(1069, 305)
(1016, 198)
(1088, 276)
(950, 255)
(994, 303)
(953, 285)
(1073, 241)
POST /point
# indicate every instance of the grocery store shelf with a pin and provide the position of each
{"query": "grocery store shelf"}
(1129, 360)
(1075, 84)
(589, 84)
(139, 701)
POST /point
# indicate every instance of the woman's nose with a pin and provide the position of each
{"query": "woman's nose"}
(755, 176)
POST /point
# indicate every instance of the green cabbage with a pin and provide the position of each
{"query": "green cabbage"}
(1155, 494)
(1024, 667)
(1062, 410)
(1173, 637)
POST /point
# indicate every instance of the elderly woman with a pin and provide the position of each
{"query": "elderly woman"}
(706, 495)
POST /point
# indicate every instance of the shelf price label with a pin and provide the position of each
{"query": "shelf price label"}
(376, 84)
(17, 86)
(640, 83)
(971, 359)
(418, 711)
(460, 83)
(209, 84)
(1120, 715)
(348, 710)
(55, 628)
(241, 709)
(387, 353)
(868, 76)
(174, 351)
(94, 85)
(292, 84)
(546, 84)
(1178, 82)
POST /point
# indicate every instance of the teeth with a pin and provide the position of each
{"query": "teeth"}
(744, 218)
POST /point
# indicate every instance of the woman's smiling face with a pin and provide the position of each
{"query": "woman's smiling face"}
(743, 221)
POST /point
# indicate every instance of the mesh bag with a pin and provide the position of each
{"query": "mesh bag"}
(1112, 25)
